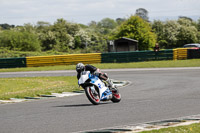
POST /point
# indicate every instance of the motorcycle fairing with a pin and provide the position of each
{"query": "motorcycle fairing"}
(104, 91)
(93, 78)
(84, 77)
(106, 95)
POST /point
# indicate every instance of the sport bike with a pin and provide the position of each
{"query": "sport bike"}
(97, 90)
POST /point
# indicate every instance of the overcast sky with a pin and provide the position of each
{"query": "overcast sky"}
(18, 12)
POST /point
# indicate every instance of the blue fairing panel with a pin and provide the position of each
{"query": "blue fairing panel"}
(93, 78)
(105, 94)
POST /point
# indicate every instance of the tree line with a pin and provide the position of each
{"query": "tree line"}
(64, 36)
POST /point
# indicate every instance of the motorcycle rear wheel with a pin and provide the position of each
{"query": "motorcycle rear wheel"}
(116, 97)
(93, 98)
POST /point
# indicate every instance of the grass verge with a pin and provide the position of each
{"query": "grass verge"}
(34, 86)
(149, 64)
(193, 128)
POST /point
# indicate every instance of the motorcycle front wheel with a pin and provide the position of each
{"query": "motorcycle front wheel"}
(92, 95)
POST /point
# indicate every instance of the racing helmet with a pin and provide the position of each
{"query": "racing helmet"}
(80, 67)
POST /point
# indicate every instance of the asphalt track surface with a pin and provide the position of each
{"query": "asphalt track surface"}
(154, 94)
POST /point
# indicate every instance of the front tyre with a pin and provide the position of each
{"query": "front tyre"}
(92, 95)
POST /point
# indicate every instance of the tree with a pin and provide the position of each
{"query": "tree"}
(92, 24)
(176, 33)
(26, 28)
(20, 40)
(138, 29)
(185, 17)
(48, 39)
(185, 22)
(198, 25)
(186, 35)
(143, 13)
(158, 28)
(120, 20)
(64, 40)
(81, 39)
(188, 32)
(106, 25)
(6, 26)
(43, 24)
(171, 30)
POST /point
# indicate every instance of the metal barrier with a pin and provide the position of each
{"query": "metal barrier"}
(193, 53)
(63, 59)
(117, 57)
(12, 62)
(180, 54)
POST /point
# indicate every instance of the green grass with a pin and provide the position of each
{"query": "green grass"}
(193, 128)
(149, 64)
(35, 86)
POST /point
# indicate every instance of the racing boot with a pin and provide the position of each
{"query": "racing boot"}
(111, 86)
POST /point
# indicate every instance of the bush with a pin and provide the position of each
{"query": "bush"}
(22, 40)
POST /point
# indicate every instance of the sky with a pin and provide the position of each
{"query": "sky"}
(20, 12)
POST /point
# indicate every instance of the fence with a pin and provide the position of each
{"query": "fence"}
(193, 53)
(117, 57)
(12, 62)
(136, 56)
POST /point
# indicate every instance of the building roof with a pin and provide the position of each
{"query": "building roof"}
(127, 39)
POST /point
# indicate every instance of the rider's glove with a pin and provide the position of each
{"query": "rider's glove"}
(96, 73)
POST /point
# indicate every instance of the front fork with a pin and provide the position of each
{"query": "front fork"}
(94, 90)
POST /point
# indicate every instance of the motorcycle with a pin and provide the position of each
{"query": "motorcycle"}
(97, 90)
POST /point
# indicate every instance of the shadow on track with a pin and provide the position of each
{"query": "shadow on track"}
(80, 105)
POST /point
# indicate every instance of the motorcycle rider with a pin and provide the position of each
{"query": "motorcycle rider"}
(102, 76)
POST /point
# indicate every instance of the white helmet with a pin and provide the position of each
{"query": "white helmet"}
(80, 67)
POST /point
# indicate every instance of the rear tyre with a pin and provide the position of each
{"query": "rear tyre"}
(116, 97)
(93, 96)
